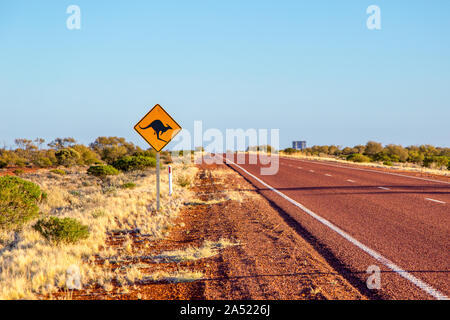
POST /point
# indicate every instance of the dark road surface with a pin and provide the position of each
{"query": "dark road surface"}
(359, 218)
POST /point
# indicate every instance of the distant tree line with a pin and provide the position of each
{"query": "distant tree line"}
(67, 152)
(424, 155)
(264, 148)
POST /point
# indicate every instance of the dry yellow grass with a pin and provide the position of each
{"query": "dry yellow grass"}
(30, 265)
(207, 250)
(174, 277)
(239, 194)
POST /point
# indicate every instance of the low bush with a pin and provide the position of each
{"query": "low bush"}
(67, 157)
(382, 157)
(58, 171)
(66, 230)
(3, 164)
(43, 162)
(436, 161)
(290, 151)
(21, 163)
(19, 201)
(130, 163)
(18, 172)
(148, 153)
(102, 171)
(183, 181)
(98, 213)
(357, 157)
(87, 156)
(129, 185)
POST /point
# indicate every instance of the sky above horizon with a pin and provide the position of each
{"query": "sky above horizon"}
(309, 68)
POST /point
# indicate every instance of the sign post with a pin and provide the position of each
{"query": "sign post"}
(157, 127)
(158, 156)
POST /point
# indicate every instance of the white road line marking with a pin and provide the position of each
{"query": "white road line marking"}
(368, 170)
(416, 281)
(383, 188)
(300, 167)
(328, 175)
(350, 180)
(311, 170)
(438, 201)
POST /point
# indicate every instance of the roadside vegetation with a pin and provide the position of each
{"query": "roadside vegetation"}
(427, 156)
(67, 152)
(59, 218)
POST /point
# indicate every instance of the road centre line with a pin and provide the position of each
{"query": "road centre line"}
(384, 188)
(416, 281)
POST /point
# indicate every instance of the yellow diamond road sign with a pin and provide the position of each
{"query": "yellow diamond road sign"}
(157, 127)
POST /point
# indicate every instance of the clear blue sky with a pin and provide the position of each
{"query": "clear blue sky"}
(310, 68)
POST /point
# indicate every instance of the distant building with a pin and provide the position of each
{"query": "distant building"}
(299, 145)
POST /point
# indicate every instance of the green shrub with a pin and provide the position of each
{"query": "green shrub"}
(415, 157)
(396, 152)
(98, 213)
(3, 164)
(58, 171)
(111, 149)
(102, 171)
(147, 153)
(382, 157)
(290, 151)
(183, 181)
(387, 163)
(129, 185)
(129, 163)
(357, 157)
(66, 230)
(67, 157)
(437, 161)
(394, 158)
(109, 190)
(372, 148)
(43, 162)
(18, 201)
(87, 156)
(21, 163)
(18, 172)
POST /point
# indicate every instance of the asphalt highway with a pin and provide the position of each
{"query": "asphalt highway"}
(362, 218)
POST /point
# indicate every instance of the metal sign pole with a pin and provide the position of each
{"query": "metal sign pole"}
(157, 180)
(155, 123)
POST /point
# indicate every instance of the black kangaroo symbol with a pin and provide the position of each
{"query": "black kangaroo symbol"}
(159, 128)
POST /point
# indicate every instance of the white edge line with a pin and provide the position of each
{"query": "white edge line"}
(417, 282)
(384, 188)
(368, 170)
(438, 201)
